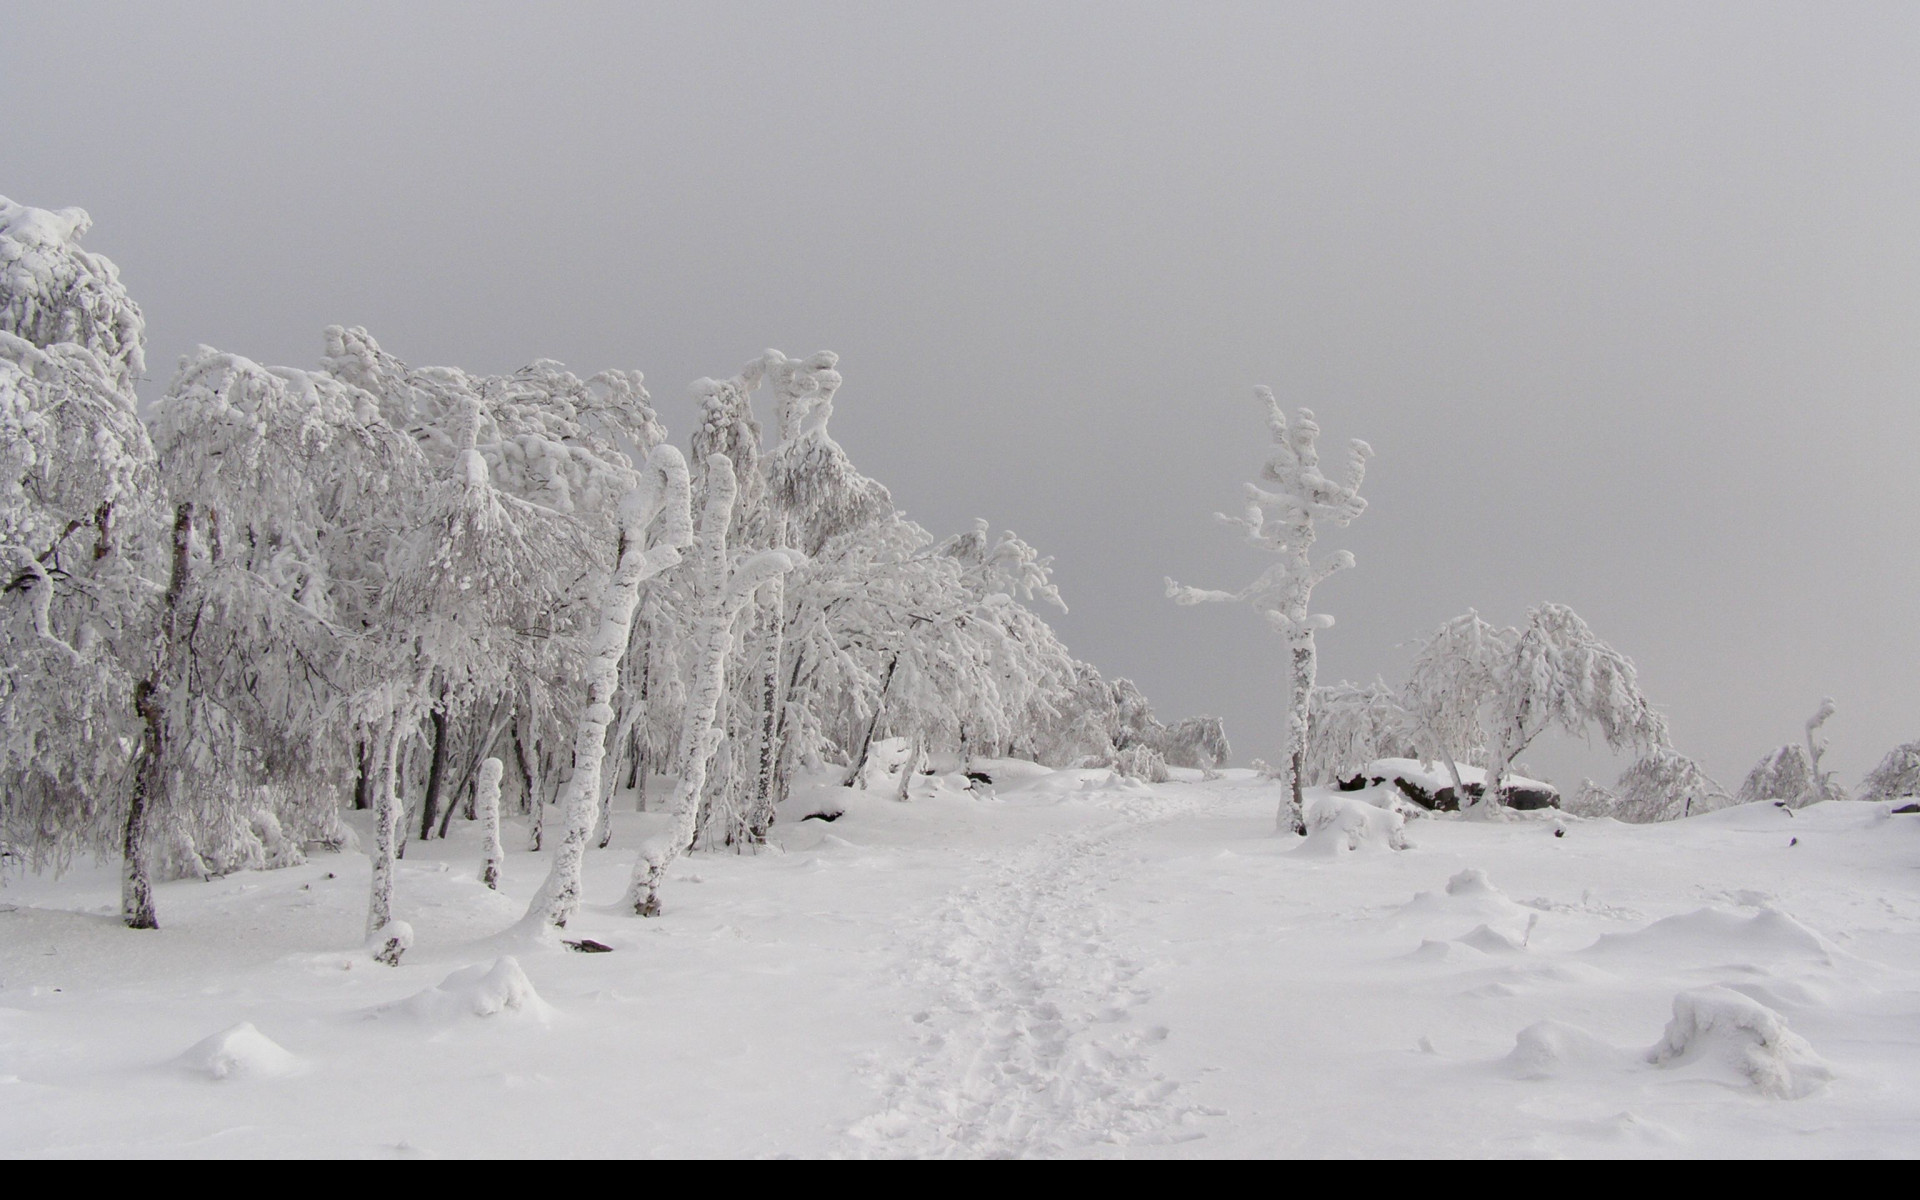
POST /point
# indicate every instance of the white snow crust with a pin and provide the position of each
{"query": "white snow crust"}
(1070, 964)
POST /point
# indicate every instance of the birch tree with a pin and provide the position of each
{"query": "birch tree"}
(1285, 522)
(724, 589)
(661, 495)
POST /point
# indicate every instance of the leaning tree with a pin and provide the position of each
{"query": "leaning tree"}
(1285, 522)
(1560, 674)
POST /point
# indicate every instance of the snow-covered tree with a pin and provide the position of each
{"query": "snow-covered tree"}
(1792, 774)
(1560, 674)
(1285, 522)
(660, 495)
(725, 587)
(274, 475)
(1665, 786)
(52, 292)
(1897, 776)
(1351, 726)
(79, 547)
(812, 481)
(1197, 742)
(1454, 678)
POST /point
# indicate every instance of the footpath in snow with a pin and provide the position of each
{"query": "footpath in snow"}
(1076, 965)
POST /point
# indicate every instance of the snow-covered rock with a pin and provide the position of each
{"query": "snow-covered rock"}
(1721, 1030)
(1428, 785)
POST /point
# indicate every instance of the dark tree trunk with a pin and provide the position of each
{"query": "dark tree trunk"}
(524, 762)
(436, 769)
(764, 794)
(364, 785)
(136, 884)
(496, 726)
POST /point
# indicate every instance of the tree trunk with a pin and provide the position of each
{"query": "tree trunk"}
(1292, 815)
(559, 896)
(487, 803)
(149, 783)
(712, 639)
(623, 735)
(524, 760)
(386, 831)
(866, 740)
(363, 786)
(760, 811)
(908, 769)
(495, 727)
(697, 744)
(788, 741)
(536, 815)
(437, 769)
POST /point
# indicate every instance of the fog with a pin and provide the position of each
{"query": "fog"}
(1624, 296)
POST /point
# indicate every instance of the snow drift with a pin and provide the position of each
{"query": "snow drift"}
(477, 991)
(1549, 1049)
(241, 1052)
(1716, 936)
(1719, 1029)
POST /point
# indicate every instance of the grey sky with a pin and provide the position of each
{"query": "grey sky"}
(1624, 296)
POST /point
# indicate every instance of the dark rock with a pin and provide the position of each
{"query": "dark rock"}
(1525, 799)
(1528, 798)
(1357, 783)
(979, 777)
(588, 946)
(828, 817)
(1908, 808)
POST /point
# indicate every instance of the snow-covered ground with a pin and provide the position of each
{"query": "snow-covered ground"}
(1079, 965)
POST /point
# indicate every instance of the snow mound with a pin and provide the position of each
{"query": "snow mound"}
(1489, 940)
(1722, 937)
(241, 1052)
(1722, 1030)
(1436, 951)
(1468, 894)
(477, 991)
(1550, 1049)
(1339, 824)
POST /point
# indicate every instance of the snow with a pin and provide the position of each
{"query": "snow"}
(241, 1052)
(478, 991)
(1074, 964)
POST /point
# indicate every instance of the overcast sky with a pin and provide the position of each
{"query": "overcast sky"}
(1624, 296)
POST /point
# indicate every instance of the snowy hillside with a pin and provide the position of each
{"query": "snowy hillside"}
(1071, 964)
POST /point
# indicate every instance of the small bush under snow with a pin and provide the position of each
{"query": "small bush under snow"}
(1720, 1028)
